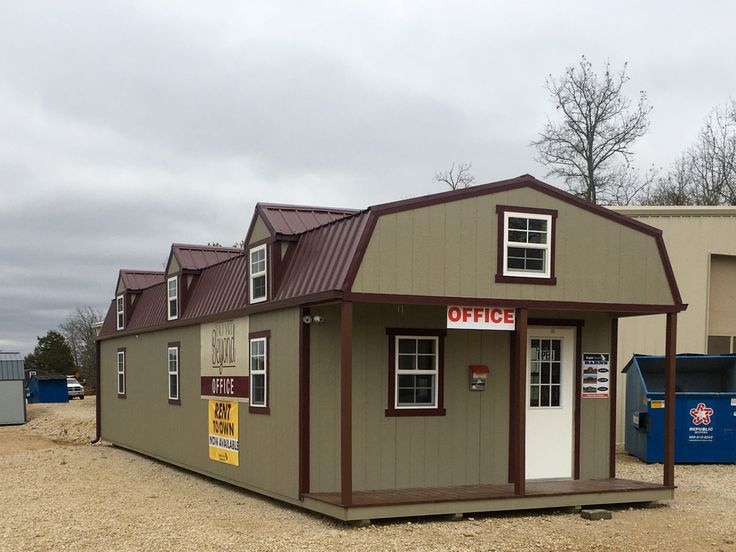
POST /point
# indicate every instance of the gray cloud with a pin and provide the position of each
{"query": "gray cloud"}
(127, 126)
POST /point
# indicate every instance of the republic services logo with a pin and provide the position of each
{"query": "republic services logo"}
(701, 414)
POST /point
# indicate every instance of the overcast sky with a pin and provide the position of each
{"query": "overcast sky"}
(127, 126)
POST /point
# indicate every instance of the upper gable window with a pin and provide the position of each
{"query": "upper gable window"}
(527, 248)
(258, 274)
(173, 298)
(120, 304)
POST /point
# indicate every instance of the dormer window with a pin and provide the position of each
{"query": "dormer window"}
(120, 304)
(173, 297)
(258, 274)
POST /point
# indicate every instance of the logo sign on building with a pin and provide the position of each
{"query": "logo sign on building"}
(222, 434)
(480, 318)
(224, 360)
(596, 375)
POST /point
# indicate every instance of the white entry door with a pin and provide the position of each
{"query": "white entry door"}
(549, 403)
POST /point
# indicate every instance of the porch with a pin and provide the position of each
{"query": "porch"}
(486, 498)
(498, 478)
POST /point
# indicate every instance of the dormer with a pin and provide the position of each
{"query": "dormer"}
(271, 239)
(183, 267)
(129, 287)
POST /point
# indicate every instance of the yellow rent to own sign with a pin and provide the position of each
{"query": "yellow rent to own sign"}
(223, 432)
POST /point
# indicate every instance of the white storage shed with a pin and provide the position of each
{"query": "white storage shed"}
(12, 394)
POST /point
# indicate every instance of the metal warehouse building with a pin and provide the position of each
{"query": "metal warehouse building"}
(12, 393)
(701, 242)
(445, 354)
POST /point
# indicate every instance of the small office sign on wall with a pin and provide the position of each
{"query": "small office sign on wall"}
(224, 360)
(480, 318)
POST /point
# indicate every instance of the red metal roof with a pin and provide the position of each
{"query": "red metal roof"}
(322, 257)
(135, 280)
(295, 219)
(197, 257)
(219, 288)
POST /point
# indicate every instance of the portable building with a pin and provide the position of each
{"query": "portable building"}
(12, 395)
(705, 408)
(47, 388)
(425, 356)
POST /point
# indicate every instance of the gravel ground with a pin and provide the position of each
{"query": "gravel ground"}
(61, 493)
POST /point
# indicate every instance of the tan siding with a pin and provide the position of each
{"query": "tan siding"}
(468, 445)
(324, 404)
(690, 238)
(597, 260)
(146, 422)
(260, 231)
(173, 266)
(722, 300)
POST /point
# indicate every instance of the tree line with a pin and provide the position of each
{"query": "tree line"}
(588, 144)
(71, 349)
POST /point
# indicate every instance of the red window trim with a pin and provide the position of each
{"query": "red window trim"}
(503, 279)
(176, 344)
(123, 350)
(392, 410)
(261, 409)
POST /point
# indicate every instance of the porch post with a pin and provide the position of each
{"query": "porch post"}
(346, 403)
(612, 398)
(304, 409)
(669, 399)
(519, 420)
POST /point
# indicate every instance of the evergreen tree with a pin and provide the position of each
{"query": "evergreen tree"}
(52, 354)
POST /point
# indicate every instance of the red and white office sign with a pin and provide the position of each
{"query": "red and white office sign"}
(480, 318)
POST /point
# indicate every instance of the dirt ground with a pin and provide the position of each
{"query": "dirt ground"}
(60, 493)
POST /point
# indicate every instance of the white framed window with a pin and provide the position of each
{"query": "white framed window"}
(121, 371)
(120, 304)
(173, 372)
(258, 274)
(417, 370)
(545, 367)
(172, 286)
(258, 372)
(527, 240)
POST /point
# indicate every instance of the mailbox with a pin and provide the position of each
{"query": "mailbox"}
(478, 377)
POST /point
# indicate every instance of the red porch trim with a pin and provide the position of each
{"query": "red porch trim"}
(519, 375)
(346, 403)
(304, 420)
(669, 399)
(612, 399)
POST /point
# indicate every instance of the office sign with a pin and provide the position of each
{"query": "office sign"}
(224, 360)
(480, 318)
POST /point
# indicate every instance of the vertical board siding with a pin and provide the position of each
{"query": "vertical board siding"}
(450, 250)
(146, 422)
(324, 403)
(467, 446)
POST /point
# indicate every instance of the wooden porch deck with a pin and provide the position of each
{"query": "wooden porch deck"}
(534, 489)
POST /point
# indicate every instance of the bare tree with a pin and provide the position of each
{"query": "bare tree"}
(627, 185)
(713, 158)
(705, 173)
(80, 336)
(597, 128)
(674, 188)
(457, 177)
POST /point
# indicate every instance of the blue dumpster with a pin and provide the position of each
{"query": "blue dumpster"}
(705, 408)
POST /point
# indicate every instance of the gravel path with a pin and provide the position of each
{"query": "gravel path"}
(61, 494)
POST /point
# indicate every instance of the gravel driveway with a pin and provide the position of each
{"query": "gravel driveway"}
(59, 493)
